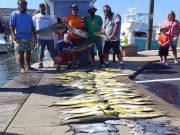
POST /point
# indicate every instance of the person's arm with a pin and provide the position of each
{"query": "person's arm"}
(33, 31)
(86, 24)
(81, 24)
(34, 35)
(179, 28)
(167, 42)
(12, 28)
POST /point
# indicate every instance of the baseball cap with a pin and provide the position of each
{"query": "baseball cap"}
(41, 5)
(74, 6)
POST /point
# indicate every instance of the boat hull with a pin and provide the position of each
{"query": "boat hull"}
(141, 44)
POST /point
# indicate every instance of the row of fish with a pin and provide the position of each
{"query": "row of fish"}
(98, 96)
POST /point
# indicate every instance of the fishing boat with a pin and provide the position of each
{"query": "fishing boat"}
(134, 24)
(3, 44)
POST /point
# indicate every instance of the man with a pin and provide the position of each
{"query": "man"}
(112, 26)
(62, 53)
(75, 21)
(93, 24)
(42, 20)
(22, 28)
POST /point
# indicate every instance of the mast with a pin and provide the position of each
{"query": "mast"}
(150, 24)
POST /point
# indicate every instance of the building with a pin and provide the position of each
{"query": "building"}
(5, 13)
(61, 8)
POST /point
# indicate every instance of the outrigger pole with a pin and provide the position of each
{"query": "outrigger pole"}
(150, 25)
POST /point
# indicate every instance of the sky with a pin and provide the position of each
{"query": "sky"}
(161, 7)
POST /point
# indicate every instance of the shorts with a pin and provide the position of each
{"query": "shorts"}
(114, 45)
(62, 59)
(163, 51)
(121, 46)
(23, 45)
(173, 41)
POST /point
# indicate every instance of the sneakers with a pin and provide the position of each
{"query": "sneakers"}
(176, 62)
(165, 63)
(40, 65)
(102, 66)
(23, 71)
(106, 65)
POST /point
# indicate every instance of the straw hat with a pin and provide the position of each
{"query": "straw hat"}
(92, 7)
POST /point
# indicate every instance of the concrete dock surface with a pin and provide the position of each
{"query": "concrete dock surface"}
(24, 101)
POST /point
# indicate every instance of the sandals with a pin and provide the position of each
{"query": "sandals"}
(23, 71)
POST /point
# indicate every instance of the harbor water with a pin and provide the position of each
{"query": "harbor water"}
(8, 68)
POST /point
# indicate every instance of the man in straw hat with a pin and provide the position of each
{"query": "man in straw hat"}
(93, 24)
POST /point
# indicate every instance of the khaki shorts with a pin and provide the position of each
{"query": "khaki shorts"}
(174, 41)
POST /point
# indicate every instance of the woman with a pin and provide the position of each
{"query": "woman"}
(174, 30)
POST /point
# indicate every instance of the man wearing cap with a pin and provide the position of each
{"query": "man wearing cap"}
(42, 20)
(23, 31)
(93, 24)
(76, 22)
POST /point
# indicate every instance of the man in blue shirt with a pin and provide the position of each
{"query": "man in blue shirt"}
(23, 31)
(62, 53)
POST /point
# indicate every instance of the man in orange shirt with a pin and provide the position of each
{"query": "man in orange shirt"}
(75, 21)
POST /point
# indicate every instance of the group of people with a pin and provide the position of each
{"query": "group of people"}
(24, 26)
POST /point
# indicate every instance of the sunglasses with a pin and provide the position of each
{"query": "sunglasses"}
(74, 9)
(106, 10)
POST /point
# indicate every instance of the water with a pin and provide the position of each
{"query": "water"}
(8, 68)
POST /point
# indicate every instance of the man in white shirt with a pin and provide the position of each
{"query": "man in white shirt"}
(42, 20)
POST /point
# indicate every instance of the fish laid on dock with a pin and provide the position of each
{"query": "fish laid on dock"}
(90, 119)
(141, 115)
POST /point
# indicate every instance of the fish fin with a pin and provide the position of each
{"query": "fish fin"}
(168, 115)
(70, 129)
(102, 110)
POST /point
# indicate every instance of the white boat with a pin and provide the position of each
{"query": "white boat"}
(134, 24)
(3, 44)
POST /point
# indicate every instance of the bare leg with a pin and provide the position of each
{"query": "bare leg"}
(165, 59)
(28, 59)
(119, 56)
(21, 59)
(106, 56)
(161, 59)
(114, 58)
(174, 53)
(122, 52)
